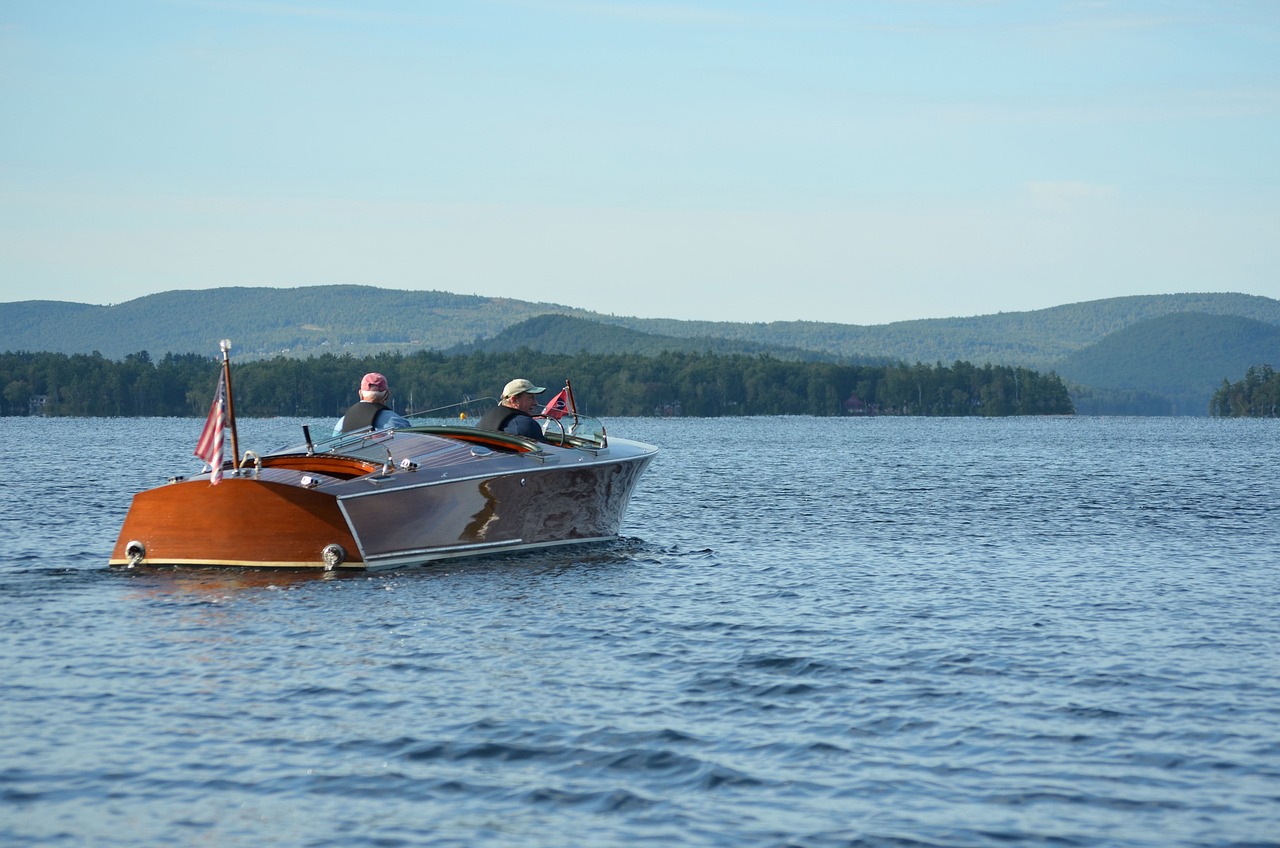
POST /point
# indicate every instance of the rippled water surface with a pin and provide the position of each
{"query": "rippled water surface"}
(815, 632)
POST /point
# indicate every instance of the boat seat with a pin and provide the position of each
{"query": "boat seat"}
(487, 438)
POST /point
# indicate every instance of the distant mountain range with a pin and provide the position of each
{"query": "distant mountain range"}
(1144, 354)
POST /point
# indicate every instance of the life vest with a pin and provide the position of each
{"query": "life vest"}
(496, 418)
(361, 415)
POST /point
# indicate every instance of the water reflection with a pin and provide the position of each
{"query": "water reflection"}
(178, 580)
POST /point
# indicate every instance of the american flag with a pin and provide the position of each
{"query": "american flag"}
(209, 448)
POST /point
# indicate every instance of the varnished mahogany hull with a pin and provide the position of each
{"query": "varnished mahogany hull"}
(239, 522)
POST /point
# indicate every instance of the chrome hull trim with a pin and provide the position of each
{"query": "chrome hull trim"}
(425, 557)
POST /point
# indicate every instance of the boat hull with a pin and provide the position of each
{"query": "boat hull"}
(433, 498)
(525, 508)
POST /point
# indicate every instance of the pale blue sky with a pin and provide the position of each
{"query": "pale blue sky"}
(859, 162)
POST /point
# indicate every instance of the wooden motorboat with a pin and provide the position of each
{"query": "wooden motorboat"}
(391, 498)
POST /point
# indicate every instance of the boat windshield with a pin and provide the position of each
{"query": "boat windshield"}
(367, 444)
(570, 430)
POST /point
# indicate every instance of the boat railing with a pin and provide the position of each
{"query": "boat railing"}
(366, 444)
(457, 421)
(576, 431)
(463, 413)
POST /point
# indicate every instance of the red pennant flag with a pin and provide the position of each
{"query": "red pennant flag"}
(558, 405)
(209, 447)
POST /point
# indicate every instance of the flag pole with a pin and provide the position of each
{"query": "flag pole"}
(225, 345)
(572, 403)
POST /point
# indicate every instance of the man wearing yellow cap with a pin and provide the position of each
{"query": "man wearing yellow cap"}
(514, 413)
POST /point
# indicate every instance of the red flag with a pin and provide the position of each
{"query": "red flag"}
(209, 448)
(559, 404)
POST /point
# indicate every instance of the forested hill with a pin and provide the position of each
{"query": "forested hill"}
(364, 320)
(360, 320)
(568, 334)
(1150, 354)
(1036, 339)
(1182, 358)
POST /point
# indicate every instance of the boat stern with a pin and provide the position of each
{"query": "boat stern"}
(240, 522)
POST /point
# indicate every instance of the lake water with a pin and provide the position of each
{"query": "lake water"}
(815, 632)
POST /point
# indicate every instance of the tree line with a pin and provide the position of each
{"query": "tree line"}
(1255, 396)
(671, 383)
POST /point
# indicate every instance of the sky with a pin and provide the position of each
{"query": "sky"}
(820, 160)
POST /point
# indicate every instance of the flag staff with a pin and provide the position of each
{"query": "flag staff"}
(572, 403)
(225, 346)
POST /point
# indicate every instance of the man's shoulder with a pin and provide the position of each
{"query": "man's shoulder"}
(387, 417)
(525, 425)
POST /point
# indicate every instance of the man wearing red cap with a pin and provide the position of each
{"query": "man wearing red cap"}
(372, 410)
